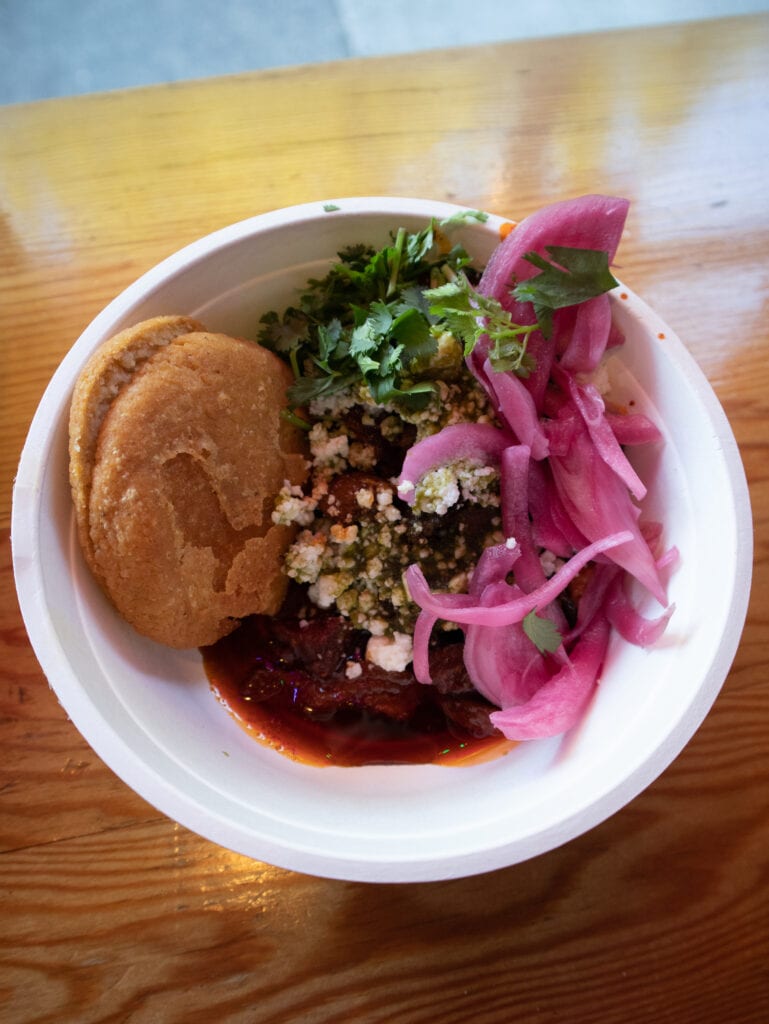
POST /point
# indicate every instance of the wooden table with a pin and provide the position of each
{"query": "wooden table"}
(110, 912)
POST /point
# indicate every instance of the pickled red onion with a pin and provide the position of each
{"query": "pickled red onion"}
(566, 486)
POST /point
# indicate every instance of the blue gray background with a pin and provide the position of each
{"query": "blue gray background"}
(64, 47)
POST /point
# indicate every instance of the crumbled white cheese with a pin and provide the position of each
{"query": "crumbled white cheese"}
(391, 427)
(328, 450)
(477, 483)
(365, 497)
(292, 506)
(374, 568)
(343, 534)
(437, 491)
(441, 488)
(328, 588)
(550, 563)
(390, 653)
(335, 404)
(353, 669)
(362, 456)
(304, 557)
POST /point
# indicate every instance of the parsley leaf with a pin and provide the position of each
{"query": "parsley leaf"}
(573, 276)
(542, 633)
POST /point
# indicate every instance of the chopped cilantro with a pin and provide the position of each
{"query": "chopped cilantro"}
(542, 632)
(330, 207)
(378, 315)
(573, 276)
(368, 319)
(468, 316)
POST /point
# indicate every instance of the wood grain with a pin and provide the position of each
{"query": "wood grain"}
(109, 912)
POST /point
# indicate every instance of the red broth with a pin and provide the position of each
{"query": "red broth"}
(287, 682)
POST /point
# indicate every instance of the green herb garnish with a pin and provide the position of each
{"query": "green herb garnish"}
(379, 315)
(368, 321)
(461, 308)
(573, 276)
(542, 632)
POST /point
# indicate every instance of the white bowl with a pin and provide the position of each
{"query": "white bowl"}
(148, 711)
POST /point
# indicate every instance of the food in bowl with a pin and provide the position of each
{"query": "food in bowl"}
(176, 448)
(470, 520)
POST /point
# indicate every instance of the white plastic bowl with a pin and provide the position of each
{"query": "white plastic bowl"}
(148, 711)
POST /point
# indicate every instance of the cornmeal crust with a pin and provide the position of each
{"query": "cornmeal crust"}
(110, 368)
(189, 454)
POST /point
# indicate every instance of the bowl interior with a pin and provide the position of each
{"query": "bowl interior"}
(149, 713)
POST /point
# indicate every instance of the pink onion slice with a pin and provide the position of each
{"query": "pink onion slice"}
(597, 502)
(552, 527)
(446, 607)
(627, 620)
(590, 337)
(514, 496)
(504, 665)
(588, 401)
(515, 407)
(494, 565)
(479, 442)
(632, 428)
(560, 702)
(423, 630)
(594, 598)
(588, 222)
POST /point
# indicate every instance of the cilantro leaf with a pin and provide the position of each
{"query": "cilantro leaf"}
(305, 389)
(281, 334)
(573, 276)
(542, 633)
(415, 396)
(463, 217)
(469, 316)
(411, 329)
(367, 336)
(329, 336)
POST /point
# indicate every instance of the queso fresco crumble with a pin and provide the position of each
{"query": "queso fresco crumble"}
(354, 543)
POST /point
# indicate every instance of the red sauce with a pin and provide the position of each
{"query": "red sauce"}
(287, 682)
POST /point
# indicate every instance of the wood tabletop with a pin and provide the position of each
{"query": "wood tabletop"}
(110, 912)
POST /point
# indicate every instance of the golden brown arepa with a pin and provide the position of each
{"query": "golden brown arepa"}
(191, 451)
(109, 369)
